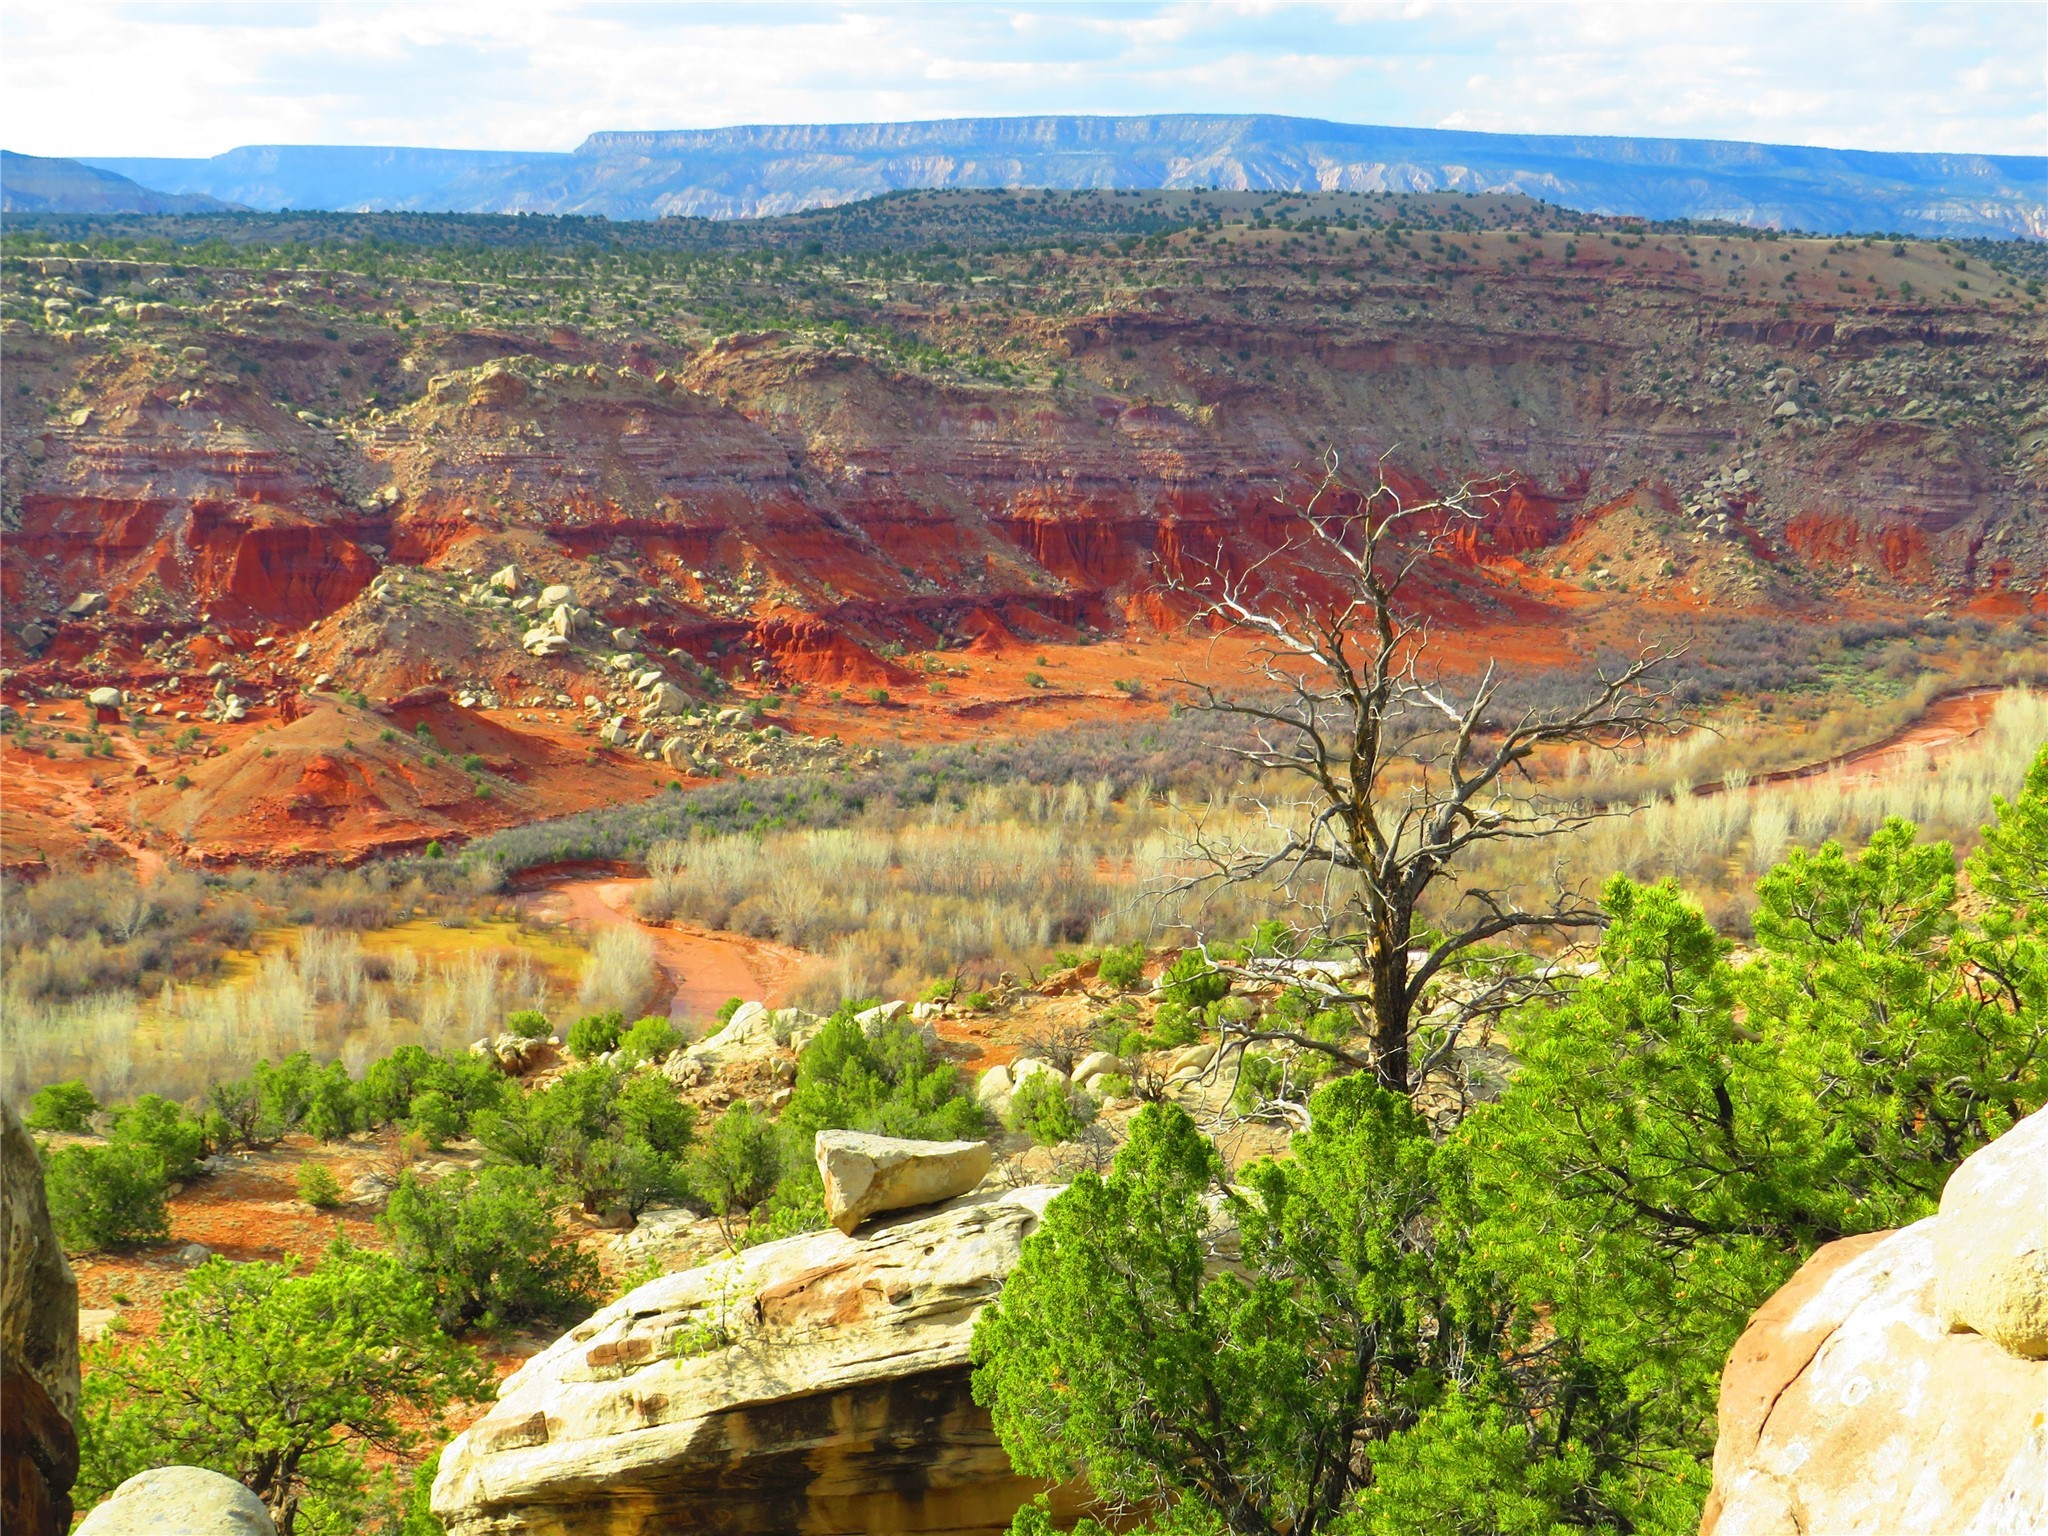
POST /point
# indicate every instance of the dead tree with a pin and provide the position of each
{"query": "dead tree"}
(1399, 776)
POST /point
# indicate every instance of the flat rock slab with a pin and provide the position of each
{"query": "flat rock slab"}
(866, 1175)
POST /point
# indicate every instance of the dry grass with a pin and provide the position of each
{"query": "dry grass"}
(993, 882)
(1716, 844)
(319, 992)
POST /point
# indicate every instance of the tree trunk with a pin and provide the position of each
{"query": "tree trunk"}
(1387, 966)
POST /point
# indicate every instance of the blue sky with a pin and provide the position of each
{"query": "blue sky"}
(89, 78)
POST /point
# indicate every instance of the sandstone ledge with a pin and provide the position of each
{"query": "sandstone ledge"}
(816, 1384)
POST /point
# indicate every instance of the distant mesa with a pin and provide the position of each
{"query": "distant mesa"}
(750, 172)
(34, 184)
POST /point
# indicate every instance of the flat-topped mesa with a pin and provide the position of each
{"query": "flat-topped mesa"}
(819, 1383)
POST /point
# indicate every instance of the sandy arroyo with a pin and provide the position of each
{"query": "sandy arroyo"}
(704, 966)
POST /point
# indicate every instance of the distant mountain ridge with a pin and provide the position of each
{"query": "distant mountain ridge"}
(37, 184)
(771, 169)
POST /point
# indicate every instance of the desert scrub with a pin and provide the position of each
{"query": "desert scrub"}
(1048, 1111)
(318, 1186)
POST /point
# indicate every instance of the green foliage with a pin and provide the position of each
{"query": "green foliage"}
(281, 1381)
(434, 1116)
(1681, 1133)
(736, 1168)
(528, 1024)
(467, 1084)
(489, 1246)
(615, 1140)
(419, 1518)
(318, 1186)
(1192, 982)
(1046, 1110)
(1122, 967)
(1259, 1395)
(164, 1130)
(106, 1197)
(883, 1080)
(2011, 864)
(649, 1039)
(595, 1033)
(65, 1107)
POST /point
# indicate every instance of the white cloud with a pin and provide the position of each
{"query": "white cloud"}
(95, 78)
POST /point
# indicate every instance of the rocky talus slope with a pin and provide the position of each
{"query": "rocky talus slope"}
(1899, 1382)
(818, 1384)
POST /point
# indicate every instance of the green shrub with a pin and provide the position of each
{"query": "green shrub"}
(528, 1024)
(469, 1083)
(1122, 968)
(615, 1140)
(1046, 1110)
(886, 1082)
(318, 1186)
(66, 1107)
(1192, 982)
(489, 1246)
(727, 1009)
(288, 1382)
(737, 1167)
(164, 1130)
(649, 1039)
(595, 1033)
(106, 1197)
(333, 1104)
(434, 1115)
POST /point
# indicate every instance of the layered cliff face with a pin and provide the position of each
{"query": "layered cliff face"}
(817, 1384)
(1899, 1382)
(783, 470)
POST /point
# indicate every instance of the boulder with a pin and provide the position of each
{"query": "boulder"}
(497, 387)
(505, 580)
(38, 1349)
(996, 1083)
(819, 1383)
(179, 1501)
(665, 698)
(557, 595)
(1991, 1242)
(1192, 1058)
(1094, 1064)
(1848, 1405)
(865, 1175)
(1021, 1072)
(561, 619)
(749, 1033)
(104, 698)
(85, 603)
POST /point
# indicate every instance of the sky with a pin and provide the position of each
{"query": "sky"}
(154, 77)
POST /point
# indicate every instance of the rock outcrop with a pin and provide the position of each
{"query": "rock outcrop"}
(866, 1175)
(38, 1349)
(1991, 1243)
(819, 1384)
(1849, 1404)
(179, 1501)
